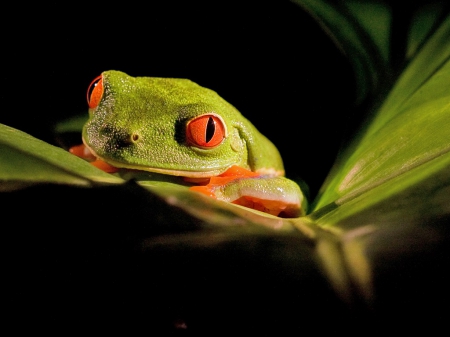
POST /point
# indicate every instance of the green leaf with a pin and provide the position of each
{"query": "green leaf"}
(74, 124)
(361, 31)
(423, 22)
(409, 129)
(26, 160)
(386, 200)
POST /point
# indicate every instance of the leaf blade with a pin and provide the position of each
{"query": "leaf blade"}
(29, 160)
(408, 129)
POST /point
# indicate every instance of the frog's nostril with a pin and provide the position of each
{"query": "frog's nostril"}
(120, 137)
(128, 138)
(134, 137)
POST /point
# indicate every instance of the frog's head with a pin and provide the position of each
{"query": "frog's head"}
(165, 125)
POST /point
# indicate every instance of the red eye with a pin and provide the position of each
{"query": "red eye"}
(206, 131)
(95, 92)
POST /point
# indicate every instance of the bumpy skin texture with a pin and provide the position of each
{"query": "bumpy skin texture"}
(141, 123)
(156, 110)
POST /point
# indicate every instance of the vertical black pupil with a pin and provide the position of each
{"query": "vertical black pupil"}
(91, 89)
(210, 129)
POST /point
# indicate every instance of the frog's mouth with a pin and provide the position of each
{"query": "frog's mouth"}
(112, 166)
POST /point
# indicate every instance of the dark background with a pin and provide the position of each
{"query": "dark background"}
(268, 58)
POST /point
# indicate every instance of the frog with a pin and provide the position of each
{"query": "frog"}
(175, 127)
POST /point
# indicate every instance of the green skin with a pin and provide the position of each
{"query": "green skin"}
(140, 124)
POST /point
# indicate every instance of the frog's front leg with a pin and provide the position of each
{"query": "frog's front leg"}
(270, 194)
(83, 152)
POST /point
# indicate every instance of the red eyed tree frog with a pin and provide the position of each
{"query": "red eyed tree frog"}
(176, 127)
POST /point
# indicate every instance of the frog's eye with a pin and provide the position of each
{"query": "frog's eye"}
(206, 131)
(95, 92)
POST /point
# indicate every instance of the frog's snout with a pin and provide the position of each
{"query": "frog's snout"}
(119, 138)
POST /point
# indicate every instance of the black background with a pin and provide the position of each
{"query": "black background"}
(268, 58)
